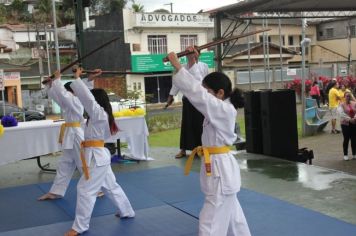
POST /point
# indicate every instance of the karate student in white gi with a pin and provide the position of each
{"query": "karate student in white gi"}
(192, 119)
(97, 172)
(71, 136)
(220, 173)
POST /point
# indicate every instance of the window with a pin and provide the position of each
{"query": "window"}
(353, 30)
(41, 37)
(134, 86)
(290, 40)
(139, 85)
(329, 32)
(157, 44)
(283, 40)
(188, 40)
(321, 34)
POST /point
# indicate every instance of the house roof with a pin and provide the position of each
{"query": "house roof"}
(242, 48)
(248, 6)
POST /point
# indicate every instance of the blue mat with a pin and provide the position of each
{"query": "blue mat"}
(19, 208)
(167, 184)
(268, 216)
(166, 203)
(103, 206)
(157, 221)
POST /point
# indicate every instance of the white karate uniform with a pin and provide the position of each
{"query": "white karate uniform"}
(73, 136)
(221, 214)
(98, 160)
(199, 70)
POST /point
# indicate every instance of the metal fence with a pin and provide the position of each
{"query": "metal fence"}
(265, 76)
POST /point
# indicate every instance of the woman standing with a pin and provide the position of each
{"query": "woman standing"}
(315, 92)
(347, 112)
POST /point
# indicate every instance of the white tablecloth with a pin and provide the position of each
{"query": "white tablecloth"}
(37, 138)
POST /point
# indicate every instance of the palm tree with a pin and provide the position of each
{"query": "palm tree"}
(137, 7)
(43, 13)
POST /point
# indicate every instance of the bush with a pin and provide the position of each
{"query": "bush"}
(163, 122)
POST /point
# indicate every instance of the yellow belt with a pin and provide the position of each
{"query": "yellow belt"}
(64, 126)
(86, 144)
(204, 151)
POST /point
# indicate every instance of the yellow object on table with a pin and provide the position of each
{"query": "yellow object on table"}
(2, 130)
(129, 112)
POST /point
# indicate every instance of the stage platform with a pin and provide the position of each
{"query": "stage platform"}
(166, 203)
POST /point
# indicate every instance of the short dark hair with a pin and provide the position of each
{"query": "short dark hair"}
(67, 87)
(217, 81)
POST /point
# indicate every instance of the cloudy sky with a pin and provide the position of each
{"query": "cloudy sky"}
(184, 6)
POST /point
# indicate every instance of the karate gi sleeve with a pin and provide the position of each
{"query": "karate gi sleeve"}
(52, 94)
(65, 98)
(94, 110)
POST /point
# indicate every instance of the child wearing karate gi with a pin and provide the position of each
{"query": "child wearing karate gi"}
(96, 159)
(71, 136)
(220, 178)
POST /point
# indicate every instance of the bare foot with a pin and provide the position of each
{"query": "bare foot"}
(71, 232)
(100, 194)
(49, 196)
(132, 215)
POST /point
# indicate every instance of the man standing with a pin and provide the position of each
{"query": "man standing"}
(334, 100)
(192, 119)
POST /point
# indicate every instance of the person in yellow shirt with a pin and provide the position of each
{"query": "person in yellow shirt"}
(334, 100)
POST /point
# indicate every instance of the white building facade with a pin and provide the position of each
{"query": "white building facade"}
(152, 36)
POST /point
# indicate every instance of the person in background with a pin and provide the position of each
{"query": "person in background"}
(342, 92)
(334, 100)
(347, 112)
(192, 120)
(220, 178)
(315, 92)
(322, 91)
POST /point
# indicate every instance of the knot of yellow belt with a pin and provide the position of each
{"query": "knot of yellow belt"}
(64, 126)
(86, 144)
(204, 151)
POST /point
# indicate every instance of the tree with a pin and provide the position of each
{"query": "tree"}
(18, 11)
(137, 7)
(100, 7)
(3, 13)
(162, 10)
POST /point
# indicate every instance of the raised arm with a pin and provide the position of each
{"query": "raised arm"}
(94, 110)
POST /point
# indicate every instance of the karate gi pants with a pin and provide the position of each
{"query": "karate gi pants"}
(222, 215)
(101, 178)
(67, 163)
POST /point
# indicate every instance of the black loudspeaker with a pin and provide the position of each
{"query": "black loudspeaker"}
(279, 124)
(253, 125)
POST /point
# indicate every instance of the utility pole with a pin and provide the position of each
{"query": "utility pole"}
(78, 8)
(40, 63)
(56, 34)
(171, 4)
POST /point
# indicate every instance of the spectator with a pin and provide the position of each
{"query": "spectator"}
(315, 92)
(347, 111)
(322, 93)
(334, 99)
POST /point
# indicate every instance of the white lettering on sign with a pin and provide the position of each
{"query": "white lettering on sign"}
(175, 20)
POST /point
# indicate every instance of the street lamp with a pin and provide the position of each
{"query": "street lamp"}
(304, 43)
(171, 4)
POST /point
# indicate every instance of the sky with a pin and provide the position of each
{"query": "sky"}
(184, 6)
